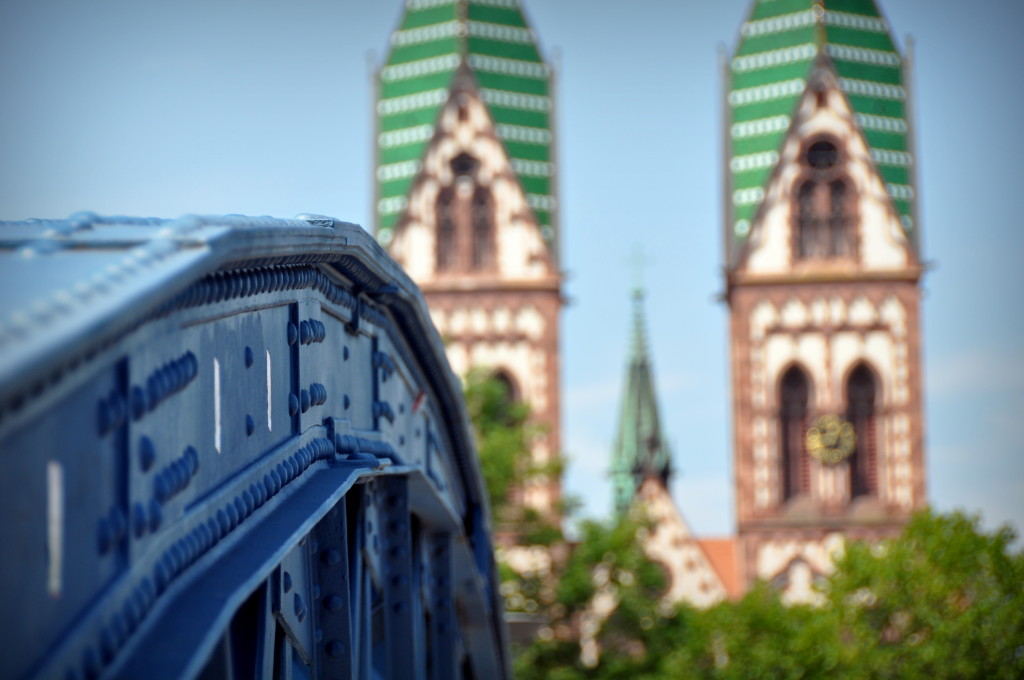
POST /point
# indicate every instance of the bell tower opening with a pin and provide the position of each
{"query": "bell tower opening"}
(860, 400)
(824, 204)
(793, 400)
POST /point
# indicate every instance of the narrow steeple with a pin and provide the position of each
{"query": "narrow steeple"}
(641, 451)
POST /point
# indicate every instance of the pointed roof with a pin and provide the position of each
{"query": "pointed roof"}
(780, 44)
(494, 42)
(641, 451)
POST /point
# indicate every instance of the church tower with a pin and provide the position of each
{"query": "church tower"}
(466, 197)
(641, 469)
(822, 280)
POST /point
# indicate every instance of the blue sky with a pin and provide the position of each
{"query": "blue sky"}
(258, 107)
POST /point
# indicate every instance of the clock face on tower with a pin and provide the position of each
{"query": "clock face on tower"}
(831, 439)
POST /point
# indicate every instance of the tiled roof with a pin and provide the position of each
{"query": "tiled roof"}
(494, 41)
(779, 44)
(722, 553)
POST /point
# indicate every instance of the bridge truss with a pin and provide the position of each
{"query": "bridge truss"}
(232, 447)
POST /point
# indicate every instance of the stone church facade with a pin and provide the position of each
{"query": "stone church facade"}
(823, 285)
(466, 198)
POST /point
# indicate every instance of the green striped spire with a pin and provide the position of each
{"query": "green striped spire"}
(640, 449)
(778, 47)
(493, 40)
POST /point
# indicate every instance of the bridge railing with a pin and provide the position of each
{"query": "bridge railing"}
(232, 447)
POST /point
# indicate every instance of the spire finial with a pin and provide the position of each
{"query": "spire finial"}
(637, 261)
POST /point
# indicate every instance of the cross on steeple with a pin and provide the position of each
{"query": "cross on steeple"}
(637, 261)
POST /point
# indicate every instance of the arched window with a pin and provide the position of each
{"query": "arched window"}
(823, 205)
(446, 248)
(807, 220)
(860, 400)
(483, 229)
(793, 399)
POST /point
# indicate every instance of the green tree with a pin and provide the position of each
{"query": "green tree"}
(503, 431)
(943, 600)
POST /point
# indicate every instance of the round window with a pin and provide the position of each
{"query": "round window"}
(822, 155)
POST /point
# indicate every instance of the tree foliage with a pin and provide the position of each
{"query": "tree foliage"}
(944, 600)
(503, 431)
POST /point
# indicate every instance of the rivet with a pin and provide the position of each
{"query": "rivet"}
(118, 523)
(305, 400)
(346, 402)
(147, 454)
(344, 352)
(305, 333)
(293, 404)
(232, 513)
(293, 333)
(334, 648)
(191, 457)
(333, 603)
(248, 357)
(286, 582)
(330, 557)
(250, 426)
(139, 521)
(138, 402)
(156, 515)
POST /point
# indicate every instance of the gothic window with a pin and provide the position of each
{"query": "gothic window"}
(446, 248)
(465, 220)
(793, 400)
(823, 205)
(860, 400)
(483, 229)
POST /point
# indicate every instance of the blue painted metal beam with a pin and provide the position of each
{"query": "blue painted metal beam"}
(232, 447)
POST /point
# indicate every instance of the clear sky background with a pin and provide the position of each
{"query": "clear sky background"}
(257, 107)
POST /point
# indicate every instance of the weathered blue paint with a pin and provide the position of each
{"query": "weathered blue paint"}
(232, 447)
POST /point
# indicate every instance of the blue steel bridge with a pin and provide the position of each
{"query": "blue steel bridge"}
(232, 447)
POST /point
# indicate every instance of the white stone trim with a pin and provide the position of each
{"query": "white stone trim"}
(747, 196)
(533, 168)
(901, 192)
(760, 126)
(411, 102)
(779, 24)
(863, 55)
(401, 170)
(426, 4)
(512, 67)
(523, 133)
(779, 57)
(881, 123)
(420, 67)
(540, 201)
(422, 34)
(515, 100)
(403, 136)
(392, 205)
(754, 161)
(485, 29)
(894, 158)
(867, 88)
(763, 93)
(857, 21)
